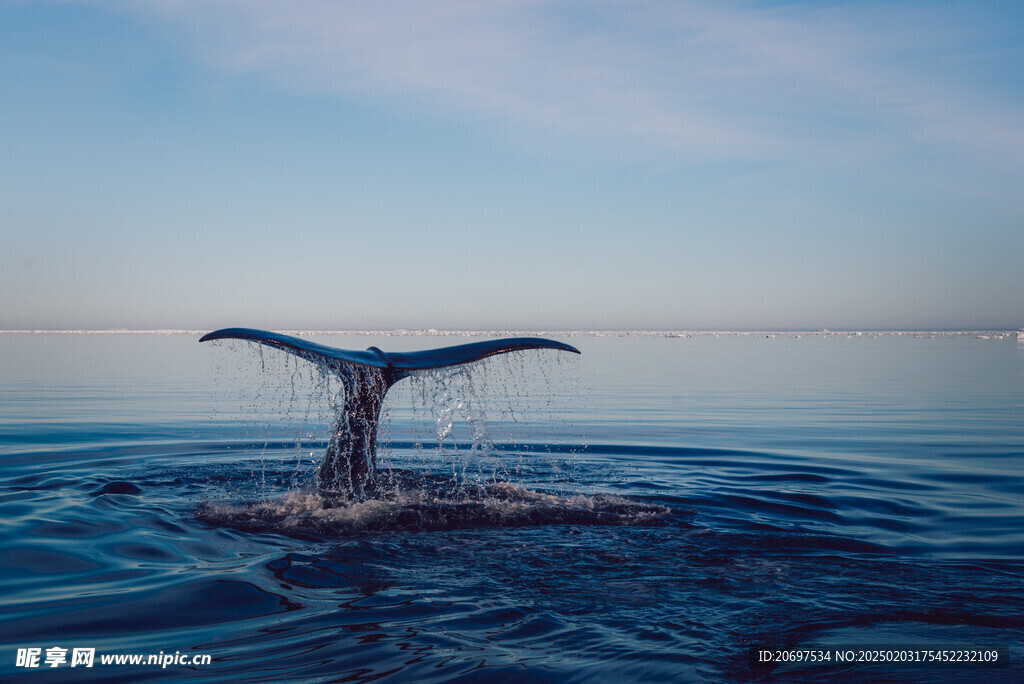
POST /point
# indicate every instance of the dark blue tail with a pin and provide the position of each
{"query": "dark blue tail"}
(349, 464)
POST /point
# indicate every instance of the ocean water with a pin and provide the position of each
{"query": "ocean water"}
(655, 509)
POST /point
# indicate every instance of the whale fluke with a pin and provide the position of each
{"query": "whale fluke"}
(350, 461)
(401, 361)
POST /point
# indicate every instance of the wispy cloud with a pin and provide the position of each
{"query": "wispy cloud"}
(703, 78)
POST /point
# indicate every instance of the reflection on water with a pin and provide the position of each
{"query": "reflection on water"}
(646, 512)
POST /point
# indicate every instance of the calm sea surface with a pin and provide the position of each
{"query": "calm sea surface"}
(652, 510)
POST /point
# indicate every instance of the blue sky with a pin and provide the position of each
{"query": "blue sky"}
(474, 165)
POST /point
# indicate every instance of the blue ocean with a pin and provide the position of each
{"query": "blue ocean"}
(657, 508)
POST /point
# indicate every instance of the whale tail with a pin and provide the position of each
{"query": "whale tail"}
(349, 465)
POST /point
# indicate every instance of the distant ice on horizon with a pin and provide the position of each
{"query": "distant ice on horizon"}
(431, 332)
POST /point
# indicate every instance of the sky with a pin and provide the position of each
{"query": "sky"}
(321, 165)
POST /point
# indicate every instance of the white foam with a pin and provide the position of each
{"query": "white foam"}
(503, 504)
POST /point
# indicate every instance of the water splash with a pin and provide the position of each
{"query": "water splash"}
(424, 503)
(446, 459)
(469, 418)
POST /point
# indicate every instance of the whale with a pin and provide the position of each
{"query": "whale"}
(350, 462)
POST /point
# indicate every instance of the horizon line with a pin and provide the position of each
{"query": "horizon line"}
(431, 332)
